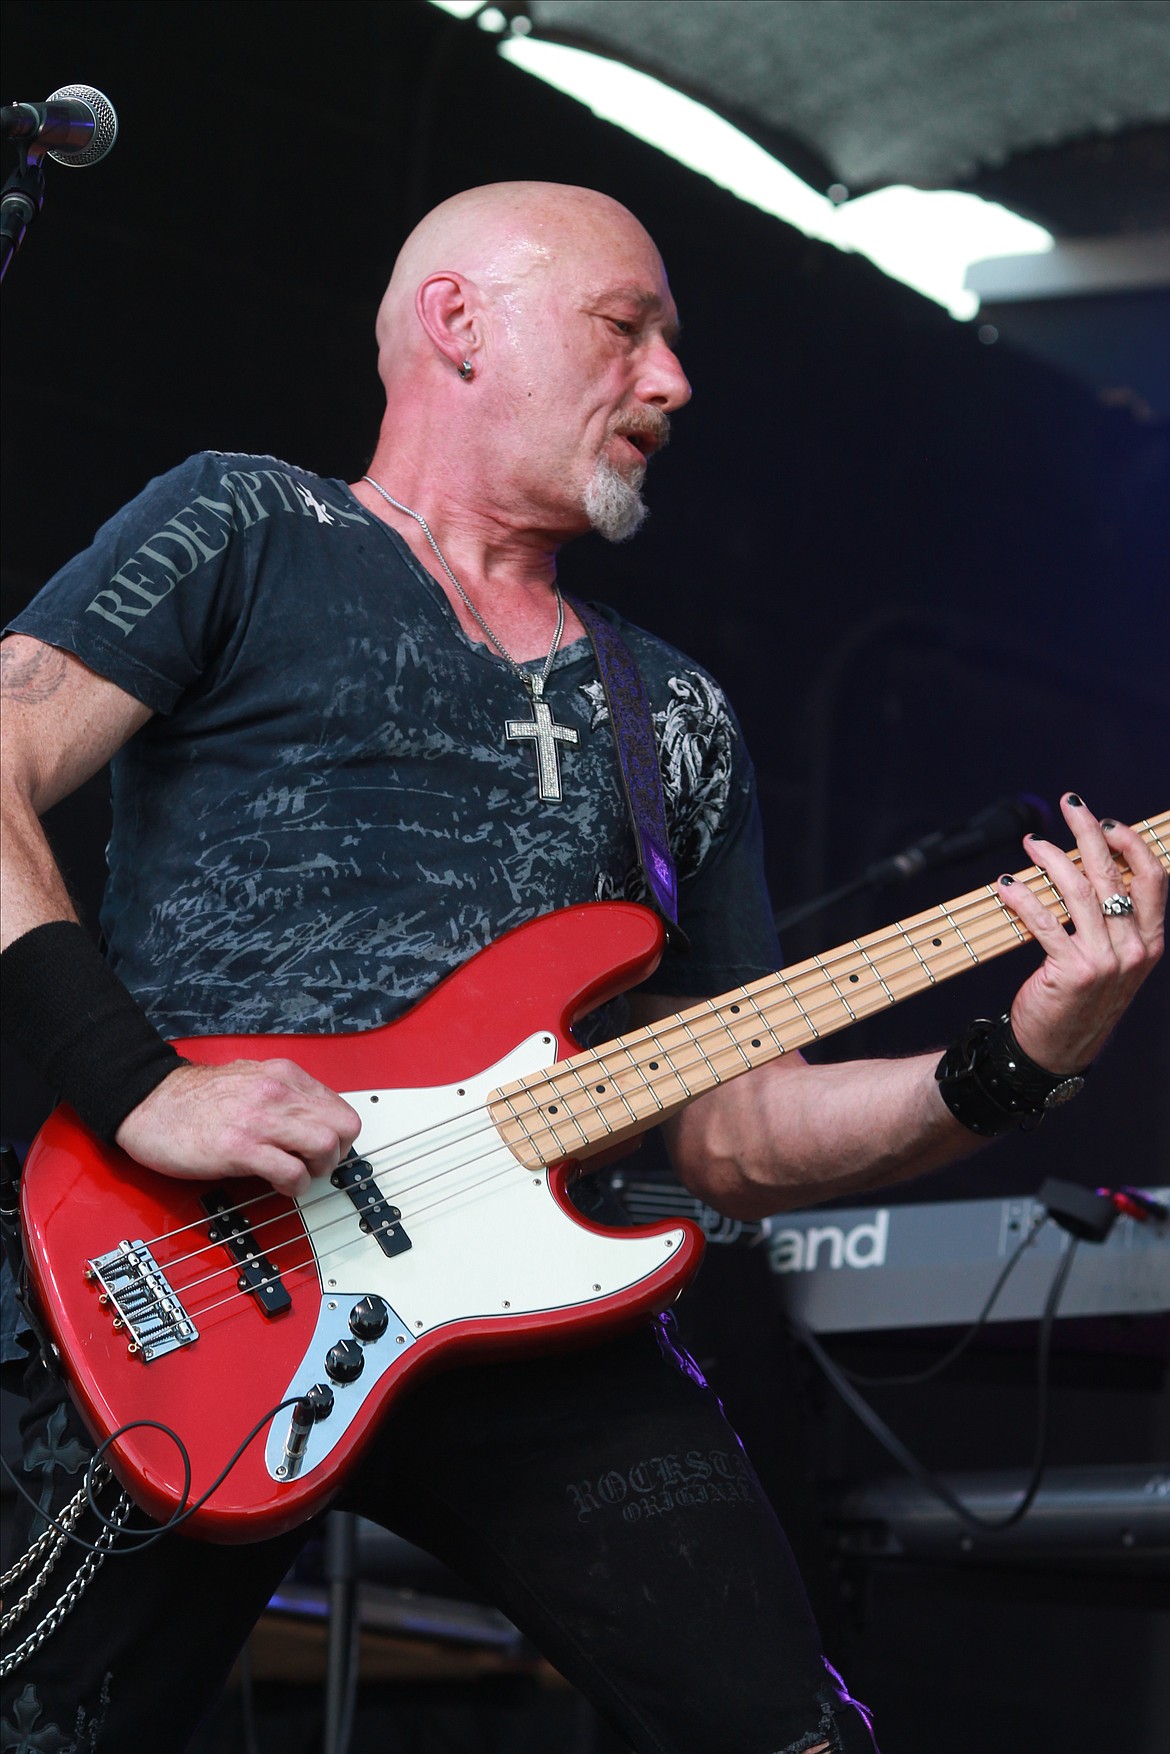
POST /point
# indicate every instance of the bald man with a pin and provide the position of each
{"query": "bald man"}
(322, 706)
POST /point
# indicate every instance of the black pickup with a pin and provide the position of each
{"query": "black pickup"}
(257, 1275)
(379, 1218)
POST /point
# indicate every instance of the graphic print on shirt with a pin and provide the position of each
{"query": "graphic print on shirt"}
(694, 735)
(200, 531)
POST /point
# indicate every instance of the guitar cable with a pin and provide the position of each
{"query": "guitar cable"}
(893, 1445)
(911, 1378)
(146, 1537)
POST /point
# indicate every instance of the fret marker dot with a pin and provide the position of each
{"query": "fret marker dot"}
(937, 942)
(654, 1065)
(735, 1010)
(601, 1090)
(854, 977)
(552, 1108)
(755, 1042)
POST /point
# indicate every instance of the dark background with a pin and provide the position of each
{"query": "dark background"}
(929, 571)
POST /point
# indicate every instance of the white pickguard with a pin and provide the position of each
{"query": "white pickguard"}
(487, 1236)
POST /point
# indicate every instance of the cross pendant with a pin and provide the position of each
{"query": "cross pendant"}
(542, 730)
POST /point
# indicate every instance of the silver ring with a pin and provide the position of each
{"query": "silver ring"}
(1115, 905)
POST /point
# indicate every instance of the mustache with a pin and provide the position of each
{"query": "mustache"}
(644, 424)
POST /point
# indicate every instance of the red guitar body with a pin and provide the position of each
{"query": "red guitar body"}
(446, 1247)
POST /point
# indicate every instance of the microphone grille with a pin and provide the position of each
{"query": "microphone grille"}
(105, 129)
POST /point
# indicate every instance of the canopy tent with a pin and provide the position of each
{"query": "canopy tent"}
(934, 93)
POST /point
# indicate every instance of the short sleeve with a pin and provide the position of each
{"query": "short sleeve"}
(713, 820)
(149, 602)
(724, 906)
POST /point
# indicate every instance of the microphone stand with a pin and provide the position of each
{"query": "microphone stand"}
(996, 826)
(794, 915)
(887, 873)
(21, 201)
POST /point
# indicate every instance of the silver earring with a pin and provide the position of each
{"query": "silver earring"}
(465, 371)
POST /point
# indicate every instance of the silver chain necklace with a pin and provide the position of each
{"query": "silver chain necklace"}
(541, 729)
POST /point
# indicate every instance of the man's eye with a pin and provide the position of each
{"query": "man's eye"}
(621, 325)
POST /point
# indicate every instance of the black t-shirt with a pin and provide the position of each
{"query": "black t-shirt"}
(324, 816)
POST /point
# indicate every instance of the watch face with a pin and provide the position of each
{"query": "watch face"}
(1064, 1092)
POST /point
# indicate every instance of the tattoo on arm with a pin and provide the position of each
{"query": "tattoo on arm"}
(31, 676)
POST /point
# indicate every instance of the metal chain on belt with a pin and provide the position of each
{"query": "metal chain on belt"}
(52, 1543)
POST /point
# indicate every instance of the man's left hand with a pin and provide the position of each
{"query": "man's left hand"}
(1064, 1013)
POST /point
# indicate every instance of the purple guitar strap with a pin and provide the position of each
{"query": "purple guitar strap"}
(633, 732)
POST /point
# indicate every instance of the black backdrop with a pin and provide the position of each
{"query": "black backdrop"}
(929, 571)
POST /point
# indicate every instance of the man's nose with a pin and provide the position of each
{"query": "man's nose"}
(663, 382)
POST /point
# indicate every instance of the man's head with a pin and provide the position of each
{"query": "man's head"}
(558, 301)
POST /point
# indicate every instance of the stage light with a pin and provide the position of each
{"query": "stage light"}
(925, 238)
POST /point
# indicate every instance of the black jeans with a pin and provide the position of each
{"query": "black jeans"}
(599, 1497)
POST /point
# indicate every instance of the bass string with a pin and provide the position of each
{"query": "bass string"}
(315, 1260)
(307, 1203)
(486, 1126)
(345, 1216)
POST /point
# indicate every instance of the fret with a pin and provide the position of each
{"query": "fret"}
(793, 995)
(710, 1064)
(1054, 900)
(518, 1136)
(871, 965)
(619, 1046)
(922, 962)
(1021, 936)
(761, 1021)
(608, 1086)
(553, 1086)
(957, 929)
(840, 995)
(727, 1030)
(658, 1067)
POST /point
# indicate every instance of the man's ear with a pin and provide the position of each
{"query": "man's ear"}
(447, 304)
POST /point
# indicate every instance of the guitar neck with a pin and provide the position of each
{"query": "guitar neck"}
(603, 1096)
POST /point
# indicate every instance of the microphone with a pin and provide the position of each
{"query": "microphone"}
(1008, 819)
(77, 125)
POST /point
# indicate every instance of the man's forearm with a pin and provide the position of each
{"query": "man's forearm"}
(792, 1134)
(32, 890)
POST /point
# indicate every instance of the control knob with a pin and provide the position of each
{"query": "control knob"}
(370, 1318)
(345, 1361)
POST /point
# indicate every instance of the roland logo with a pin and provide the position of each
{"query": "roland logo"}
(821, 1246)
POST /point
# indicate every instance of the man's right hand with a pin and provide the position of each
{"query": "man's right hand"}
(266, 1118)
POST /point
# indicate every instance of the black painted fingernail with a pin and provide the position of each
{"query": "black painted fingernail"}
(1074, 801)
(1007, 878)
(1037, 839)
(1108, 822)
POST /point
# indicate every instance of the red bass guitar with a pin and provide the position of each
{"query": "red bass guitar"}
(222, 1309)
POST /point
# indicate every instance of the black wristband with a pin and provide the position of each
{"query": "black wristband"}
(989, 1083)
(76, 1024)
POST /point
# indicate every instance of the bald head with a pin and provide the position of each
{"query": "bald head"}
(525, 343)
(500, 239)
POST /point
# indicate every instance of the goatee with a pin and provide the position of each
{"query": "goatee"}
(614, 506)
